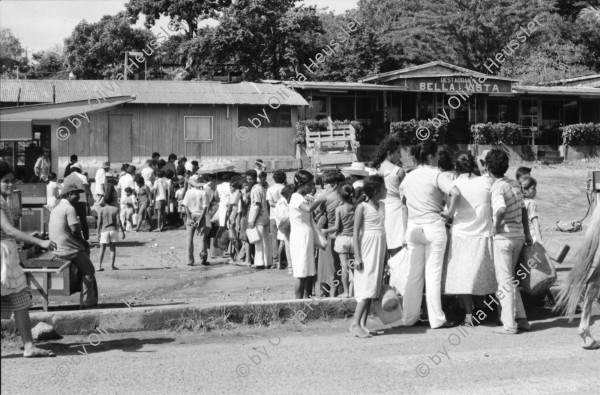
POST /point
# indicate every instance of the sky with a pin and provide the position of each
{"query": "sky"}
(41, 24)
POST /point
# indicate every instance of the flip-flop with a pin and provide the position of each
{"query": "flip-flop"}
(376, 333)
(100, 270)
(114, 268)
(42, 354)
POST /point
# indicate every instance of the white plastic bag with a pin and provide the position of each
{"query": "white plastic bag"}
(399, 268)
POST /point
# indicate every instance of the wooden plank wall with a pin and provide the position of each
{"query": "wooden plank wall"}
(160, 128)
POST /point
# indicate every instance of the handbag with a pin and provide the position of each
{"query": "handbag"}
(535, 272)
(222, 238)
(399, 268)
(253, 236)
(320, 239)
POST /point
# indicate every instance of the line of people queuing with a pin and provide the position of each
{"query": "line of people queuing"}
(459, 221)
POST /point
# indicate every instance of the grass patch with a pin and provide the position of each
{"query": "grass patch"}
(256, 315)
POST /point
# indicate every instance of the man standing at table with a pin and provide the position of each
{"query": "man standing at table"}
(65, 230)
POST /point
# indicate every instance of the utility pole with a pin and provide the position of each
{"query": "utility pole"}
(125, 67)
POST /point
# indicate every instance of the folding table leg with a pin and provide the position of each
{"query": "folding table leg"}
(45, 291)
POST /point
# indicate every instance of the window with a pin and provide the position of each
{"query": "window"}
(198, 129)
(277, 118)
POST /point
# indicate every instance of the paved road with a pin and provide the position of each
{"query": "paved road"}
(321, 357)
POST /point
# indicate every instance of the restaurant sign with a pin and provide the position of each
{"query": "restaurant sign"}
(457, 84)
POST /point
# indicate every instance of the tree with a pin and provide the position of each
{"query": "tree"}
(95, 50)
(11, 54)
(51, 64)
(190, 12)
(361, 52)
(264, 38)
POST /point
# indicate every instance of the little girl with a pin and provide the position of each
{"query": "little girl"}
(344, 228)
(369, 249)
(529, 187)
(130, 205)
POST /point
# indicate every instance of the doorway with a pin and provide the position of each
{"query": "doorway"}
(119, 138)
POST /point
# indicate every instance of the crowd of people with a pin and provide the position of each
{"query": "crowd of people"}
(458, 221)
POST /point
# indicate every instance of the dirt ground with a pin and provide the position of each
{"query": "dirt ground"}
(153, 266)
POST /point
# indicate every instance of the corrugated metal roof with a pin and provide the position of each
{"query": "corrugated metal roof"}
(337, 85)
(553, 90)
(149, 92)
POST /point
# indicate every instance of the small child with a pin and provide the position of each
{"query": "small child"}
(160, 199)
(130, 204)
(179, 195)
(522, 171)
(108, 225)
(529, 187)
(344, 228)
(369, 251)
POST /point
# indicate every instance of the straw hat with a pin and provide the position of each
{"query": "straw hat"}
(106, 165)
(70, 187)
(356, 169)
(388, 307)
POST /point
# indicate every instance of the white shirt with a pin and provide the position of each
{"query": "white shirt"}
(273, 196)
(124, 182)
(224, 190)
(160, 189)
(148, 176)
(473, 217)
(189, 167)
(194, 200)
(424, 189)
(100, 181)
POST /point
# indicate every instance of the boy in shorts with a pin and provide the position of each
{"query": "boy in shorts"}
(108, 225)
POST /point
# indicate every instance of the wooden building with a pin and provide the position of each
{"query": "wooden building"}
(465, 96)
(126, 121)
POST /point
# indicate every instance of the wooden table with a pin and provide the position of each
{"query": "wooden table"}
(50, 275)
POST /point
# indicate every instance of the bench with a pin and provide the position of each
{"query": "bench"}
(50, 275)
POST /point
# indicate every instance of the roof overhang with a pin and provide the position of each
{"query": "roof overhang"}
(556, 90)
(16, 122)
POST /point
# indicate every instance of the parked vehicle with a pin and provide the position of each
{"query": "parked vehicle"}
(331, 149)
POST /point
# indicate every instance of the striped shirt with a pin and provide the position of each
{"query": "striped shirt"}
(506, 193)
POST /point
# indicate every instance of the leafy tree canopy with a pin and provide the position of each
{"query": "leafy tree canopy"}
(189, 11)
(11, 54)
(95, 50)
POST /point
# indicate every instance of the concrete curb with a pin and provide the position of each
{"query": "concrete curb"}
(133, 319)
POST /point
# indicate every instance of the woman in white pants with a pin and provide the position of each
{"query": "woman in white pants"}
(424, 192)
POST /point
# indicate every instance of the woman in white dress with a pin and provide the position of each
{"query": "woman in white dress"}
(302, 243)
(388, 163)
(369, 252)
(470, 267)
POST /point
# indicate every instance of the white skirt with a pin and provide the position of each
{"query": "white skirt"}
(302, 247)
(367, 282)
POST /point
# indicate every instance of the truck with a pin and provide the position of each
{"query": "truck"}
(331, 149)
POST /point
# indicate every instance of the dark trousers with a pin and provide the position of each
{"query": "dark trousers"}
(89, 287)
